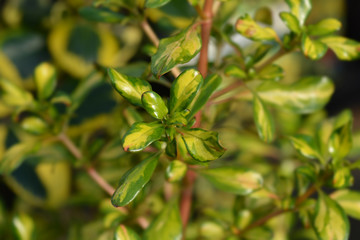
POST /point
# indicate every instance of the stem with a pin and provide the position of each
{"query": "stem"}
(186, 197)
(205, 37)
(100, 181)
(155, 40)
(227, 89)
(272, 59)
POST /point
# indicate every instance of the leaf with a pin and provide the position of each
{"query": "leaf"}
(141, 135)
(330, 221)
(124, 233)
(235, 71)
(130, 88)
(247, 27)
(98, 14)
(184, 90)
(178, 49)
(300, 9)
(324, 27)
(175, 171)
(34, 125)
(24, 227)
(349, 200)
(263, 15)
(344, 48)
(15, 155)
(61, 97)
(342, 178)
(202, 145)
(271, 72)
(235, 180)
(133, 181)
(306, 145)
(305, 96)
(211, 83)
(340, 142)
(263, 120)
(45, 79)
(155, 3)
(313, 49)
(154, 104)
(13, 95)
(167, 225)
(291, 22)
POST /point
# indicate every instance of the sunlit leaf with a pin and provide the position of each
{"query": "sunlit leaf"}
(306, 145)
(124, 233)
(324, 27)
(155, 3)
(133, 181)
(130, 88)
(14, 95)
(344, 48)
(175, 171)
(24, 227)
(235, 71)
(300, 9)
(263, 120)
(313, 49)
(180, 48)
(235, 180)
(45, 79)
(349, 200)
(271, 72)
(342, 178)
(291, 22)
(34, 125)
(141, 135)
(154, 104)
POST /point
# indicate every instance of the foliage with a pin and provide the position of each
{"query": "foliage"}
(197, 147)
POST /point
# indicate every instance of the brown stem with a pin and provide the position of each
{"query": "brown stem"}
(100, 181)
(272, 59)
(205, 37)
(155, 40)
(186, 197)
(227, 89)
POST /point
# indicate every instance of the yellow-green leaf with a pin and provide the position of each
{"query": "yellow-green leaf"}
(247, 27)
(14, 95)
(291, 22)
(184, 90)
(349, 200)
(306, 145)
(141, 135)
(271, 72)
(235, 71)
(179, 118)
(24, 227)
(342, 178)
(167, 225)
(134, 180)
(313, 49)
(154, 104)
(155, 3)
(300, 9)
(324, 27)
(34, 125)
(45, 79)
(263, 120)
(175, 171)
(130, 88)
(307, 95)
(178, 49)
(202, 145)
(235, 180)
(330, 220)
(344, 48)
(124, 233)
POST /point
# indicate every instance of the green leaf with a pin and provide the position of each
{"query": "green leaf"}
(175, 171)
(349, 200)
(154, 104)
(235, 180)
(247, 27)
(263, 15)
(100, 15)
(211, 83)
(134, 180)
(202, 145)
(167, 225)
(184, 90)
(300, 9)
(155, 3)
(130, 88)
(291, 22)
(330, 221)
(313, 49)
(261, 52)
(13, 95)
(306, 145)
(211, 230)
(263, 120)
(324, 27)
(24, 227)
(340, 142)
(34, 125)
(61, 97)
(124, 233)
(141, 135)
(45, 79)
(305, 96)
(342, 178)
(235, 71)
(271, 72)
(179, 118)
(178, 49)
(344, 48)
(15, 155)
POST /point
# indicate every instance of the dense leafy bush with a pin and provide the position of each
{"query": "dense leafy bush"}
(183, 145)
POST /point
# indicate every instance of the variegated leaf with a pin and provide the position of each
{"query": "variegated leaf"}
(124, 233)
(155, 3)
(344, 48)
(313, 49)
(45, 79)
(324, 27)
(14, 95)
(263, 120)
(154, 104)
(300, 9)
(291, 22)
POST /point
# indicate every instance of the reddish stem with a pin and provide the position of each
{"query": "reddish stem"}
(186, 197)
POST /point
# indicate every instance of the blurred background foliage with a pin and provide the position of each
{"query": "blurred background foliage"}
(51, 199)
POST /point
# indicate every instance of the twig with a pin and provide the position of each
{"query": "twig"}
(186, 197)
(70, 146)
(227, 89)
(100, 181)
(155, 40)
(272, 59)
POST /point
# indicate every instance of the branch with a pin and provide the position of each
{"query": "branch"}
(272, 59)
